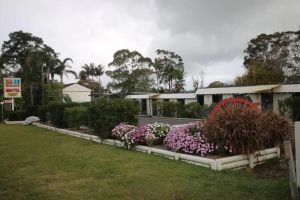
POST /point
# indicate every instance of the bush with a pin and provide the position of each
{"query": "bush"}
(147, 134)
(195, 110)
(31, 110)
(169, 109)
(18, 115)
(159, 130)
(104, 115)
(42, 113)
(245, 130)
(56, 114)
(157, 108)
(76, 116)
(188, 139)
(274, 128)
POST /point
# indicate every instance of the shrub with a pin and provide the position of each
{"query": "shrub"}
(76, 116)
(273, 128)
(159, 131)
(18, 115)
(42, 113)
(123, 132)
(147, 134)
(188, 139)
(169, 109)
(195, 110)
(56, 114)
(180, 110)
(245, 130)
(104, 115)
(157, 108)
(31, 110)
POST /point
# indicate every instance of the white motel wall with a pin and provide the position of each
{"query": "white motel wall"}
(77, 93)
(267, 95)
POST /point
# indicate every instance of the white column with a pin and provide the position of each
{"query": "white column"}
(297, 146)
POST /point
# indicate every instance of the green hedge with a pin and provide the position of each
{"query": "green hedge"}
(56, 114)
(104, 115)
(76, 116)
(18, 115)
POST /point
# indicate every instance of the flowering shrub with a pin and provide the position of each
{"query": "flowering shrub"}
(159, 130)
(188, 139)
(124, 132)
(147, 134)
(31, 119)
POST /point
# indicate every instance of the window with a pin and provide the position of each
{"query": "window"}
(200, 99)
(266, 101)
(216, 98)
(166, 100)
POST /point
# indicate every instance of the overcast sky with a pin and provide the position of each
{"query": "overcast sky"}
(209, 35)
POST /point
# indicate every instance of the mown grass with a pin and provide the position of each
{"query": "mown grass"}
(40, 164)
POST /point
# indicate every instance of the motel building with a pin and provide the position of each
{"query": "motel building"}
(268, 96)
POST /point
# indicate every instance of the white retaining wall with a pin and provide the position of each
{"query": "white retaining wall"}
(232, 162)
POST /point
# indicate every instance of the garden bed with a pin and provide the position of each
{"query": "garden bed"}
(231, 162)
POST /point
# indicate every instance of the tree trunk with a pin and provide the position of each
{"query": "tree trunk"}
(31, 94)
(61, 91)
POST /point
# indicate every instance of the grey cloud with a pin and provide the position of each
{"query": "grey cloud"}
(209, 35)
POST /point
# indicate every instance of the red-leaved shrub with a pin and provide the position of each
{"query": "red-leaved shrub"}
(245, 130)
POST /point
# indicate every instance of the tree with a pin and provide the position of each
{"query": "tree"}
(26, 56)
(170, 69)
(61, 70)
(216, 84)
(277, 53)
(131, 72)
(91, 70)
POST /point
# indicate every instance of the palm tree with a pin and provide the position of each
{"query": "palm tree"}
(61, 70)
(92, 70)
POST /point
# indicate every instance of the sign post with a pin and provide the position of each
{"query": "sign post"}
(2, 115)
(12, 90)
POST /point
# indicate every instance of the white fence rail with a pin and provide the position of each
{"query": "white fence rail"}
(232, 162)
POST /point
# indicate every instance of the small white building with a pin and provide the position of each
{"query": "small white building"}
(267, 95)
(77, 93)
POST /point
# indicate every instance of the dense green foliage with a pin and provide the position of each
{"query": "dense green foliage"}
(104, 115)
(177, 109)
(169, 68)
(18, 115)
(56, 114)
(131, 72)
(272, 58)
(28, 57)
(76, 116)
(40, 164)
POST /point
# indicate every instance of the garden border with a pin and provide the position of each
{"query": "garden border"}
(232, 162)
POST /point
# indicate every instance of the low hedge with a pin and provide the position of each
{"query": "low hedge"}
(18, 115)
(104, 115)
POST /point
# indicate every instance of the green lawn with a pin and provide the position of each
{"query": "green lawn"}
(40, 164)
